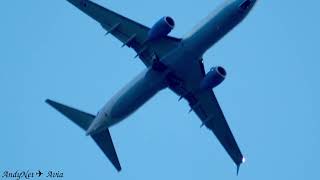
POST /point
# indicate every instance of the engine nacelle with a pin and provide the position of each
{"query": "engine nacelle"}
(162, 28)
(213, 78)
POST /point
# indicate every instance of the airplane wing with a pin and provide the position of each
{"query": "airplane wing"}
(207, 108)
(129, 32)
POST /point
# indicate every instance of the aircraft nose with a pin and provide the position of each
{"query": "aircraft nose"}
(247, 4)
(253, 2)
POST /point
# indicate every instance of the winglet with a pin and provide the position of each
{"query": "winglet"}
(238, 165)
(238, 168)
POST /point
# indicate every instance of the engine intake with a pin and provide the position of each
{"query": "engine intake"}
(213, 78)
(162, 28)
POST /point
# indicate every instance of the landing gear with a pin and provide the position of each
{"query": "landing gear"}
(157, 65)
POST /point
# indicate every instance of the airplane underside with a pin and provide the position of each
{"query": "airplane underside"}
(170, 62)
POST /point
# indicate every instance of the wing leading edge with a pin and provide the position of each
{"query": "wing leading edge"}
(212, 117)
(135, 35)
(207, 108)
(129, 32)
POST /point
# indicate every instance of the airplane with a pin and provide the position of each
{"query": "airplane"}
(39, 173)
(173, 63)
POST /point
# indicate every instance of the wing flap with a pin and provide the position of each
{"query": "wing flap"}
(207, 108)
(216, 122)
(129, 32)
(123, 27)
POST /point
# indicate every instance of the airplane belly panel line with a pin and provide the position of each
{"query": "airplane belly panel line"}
(173, 63)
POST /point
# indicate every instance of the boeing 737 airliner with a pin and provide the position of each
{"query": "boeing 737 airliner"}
(170, 62)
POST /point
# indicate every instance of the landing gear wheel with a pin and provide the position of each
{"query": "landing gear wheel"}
(157, 65)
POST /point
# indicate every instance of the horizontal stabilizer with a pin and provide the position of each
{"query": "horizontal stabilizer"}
(82, 119)
(104, 141)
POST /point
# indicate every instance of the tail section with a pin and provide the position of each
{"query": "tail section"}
(104, 141)
(84, 120)
(80, 118)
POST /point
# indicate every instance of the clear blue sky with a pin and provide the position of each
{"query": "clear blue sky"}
(49, 49)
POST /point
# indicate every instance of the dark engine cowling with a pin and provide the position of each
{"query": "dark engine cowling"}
(162, 28)
(213, 78)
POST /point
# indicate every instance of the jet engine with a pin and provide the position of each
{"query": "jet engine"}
(162, 28)
(213, 78)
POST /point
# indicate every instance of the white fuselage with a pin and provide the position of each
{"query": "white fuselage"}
(149, 82)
